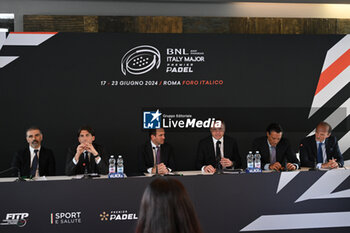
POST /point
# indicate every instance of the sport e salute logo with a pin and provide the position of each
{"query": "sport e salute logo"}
(140, 60)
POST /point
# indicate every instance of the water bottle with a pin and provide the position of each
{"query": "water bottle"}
(250, 160)
(120, 165)
(257, 158)
(111, 164)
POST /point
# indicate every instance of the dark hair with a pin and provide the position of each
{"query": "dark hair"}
(33, 128)
(324, 124)
(274, 127)
(167, 208)
(153, 132)
(87, 128)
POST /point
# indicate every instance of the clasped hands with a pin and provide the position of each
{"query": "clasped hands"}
(162, 169)
(278, 167)
(225, 162)
(85, 147)
(332, 163)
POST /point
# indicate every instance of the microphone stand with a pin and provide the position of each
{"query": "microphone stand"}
(157, 162)
(19, 178)
(86, 159)
(218, 167)
(315, 167)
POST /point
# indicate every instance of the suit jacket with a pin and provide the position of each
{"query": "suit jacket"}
(145, 156)
(101, 168)
(206, 152)
(47, 164)
(308, 151)
(284, 153)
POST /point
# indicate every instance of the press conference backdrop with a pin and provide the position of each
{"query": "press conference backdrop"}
(60, 81)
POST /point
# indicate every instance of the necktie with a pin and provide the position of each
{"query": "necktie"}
(320, 153)
(158, 155)
(34, 163)
(273, 155)
(218, 154)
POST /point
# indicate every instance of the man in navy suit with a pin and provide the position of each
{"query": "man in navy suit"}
(321, 150)
(276, 152)
(35, 160)
(87, 156)
(156, 153)
(217, 151)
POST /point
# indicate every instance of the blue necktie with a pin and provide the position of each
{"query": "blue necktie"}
(320, 153)
(34, 163)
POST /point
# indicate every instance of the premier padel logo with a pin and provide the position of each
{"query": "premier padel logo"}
(140, 60)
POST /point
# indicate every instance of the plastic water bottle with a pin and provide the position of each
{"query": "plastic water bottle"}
(250, 160)
(111, 164)
(257, 158)
(120, 165)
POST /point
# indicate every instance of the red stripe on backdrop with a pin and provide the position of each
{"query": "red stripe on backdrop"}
(333, 71)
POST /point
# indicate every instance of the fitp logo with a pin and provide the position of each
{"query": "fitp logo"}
(19, 219)
(140, 60)
(151, 120)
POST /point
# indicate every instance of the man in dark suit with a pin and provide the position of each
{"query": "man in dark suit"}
(87, 157)
(275, 151)
(217, 151)
(35, 160)
(321, 150)
(156, 153)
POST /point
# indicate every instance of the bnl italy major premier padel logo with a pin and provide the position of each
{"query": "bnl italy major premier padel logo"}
(140, 60)
(21, 39)
(151, 119)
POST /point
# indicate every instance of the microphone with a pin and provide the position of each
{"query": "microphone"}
(86, 165)
(157, 173)
(314, 168)
(19, 178)
(218, 166)
(85, 162)
(285, 165)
